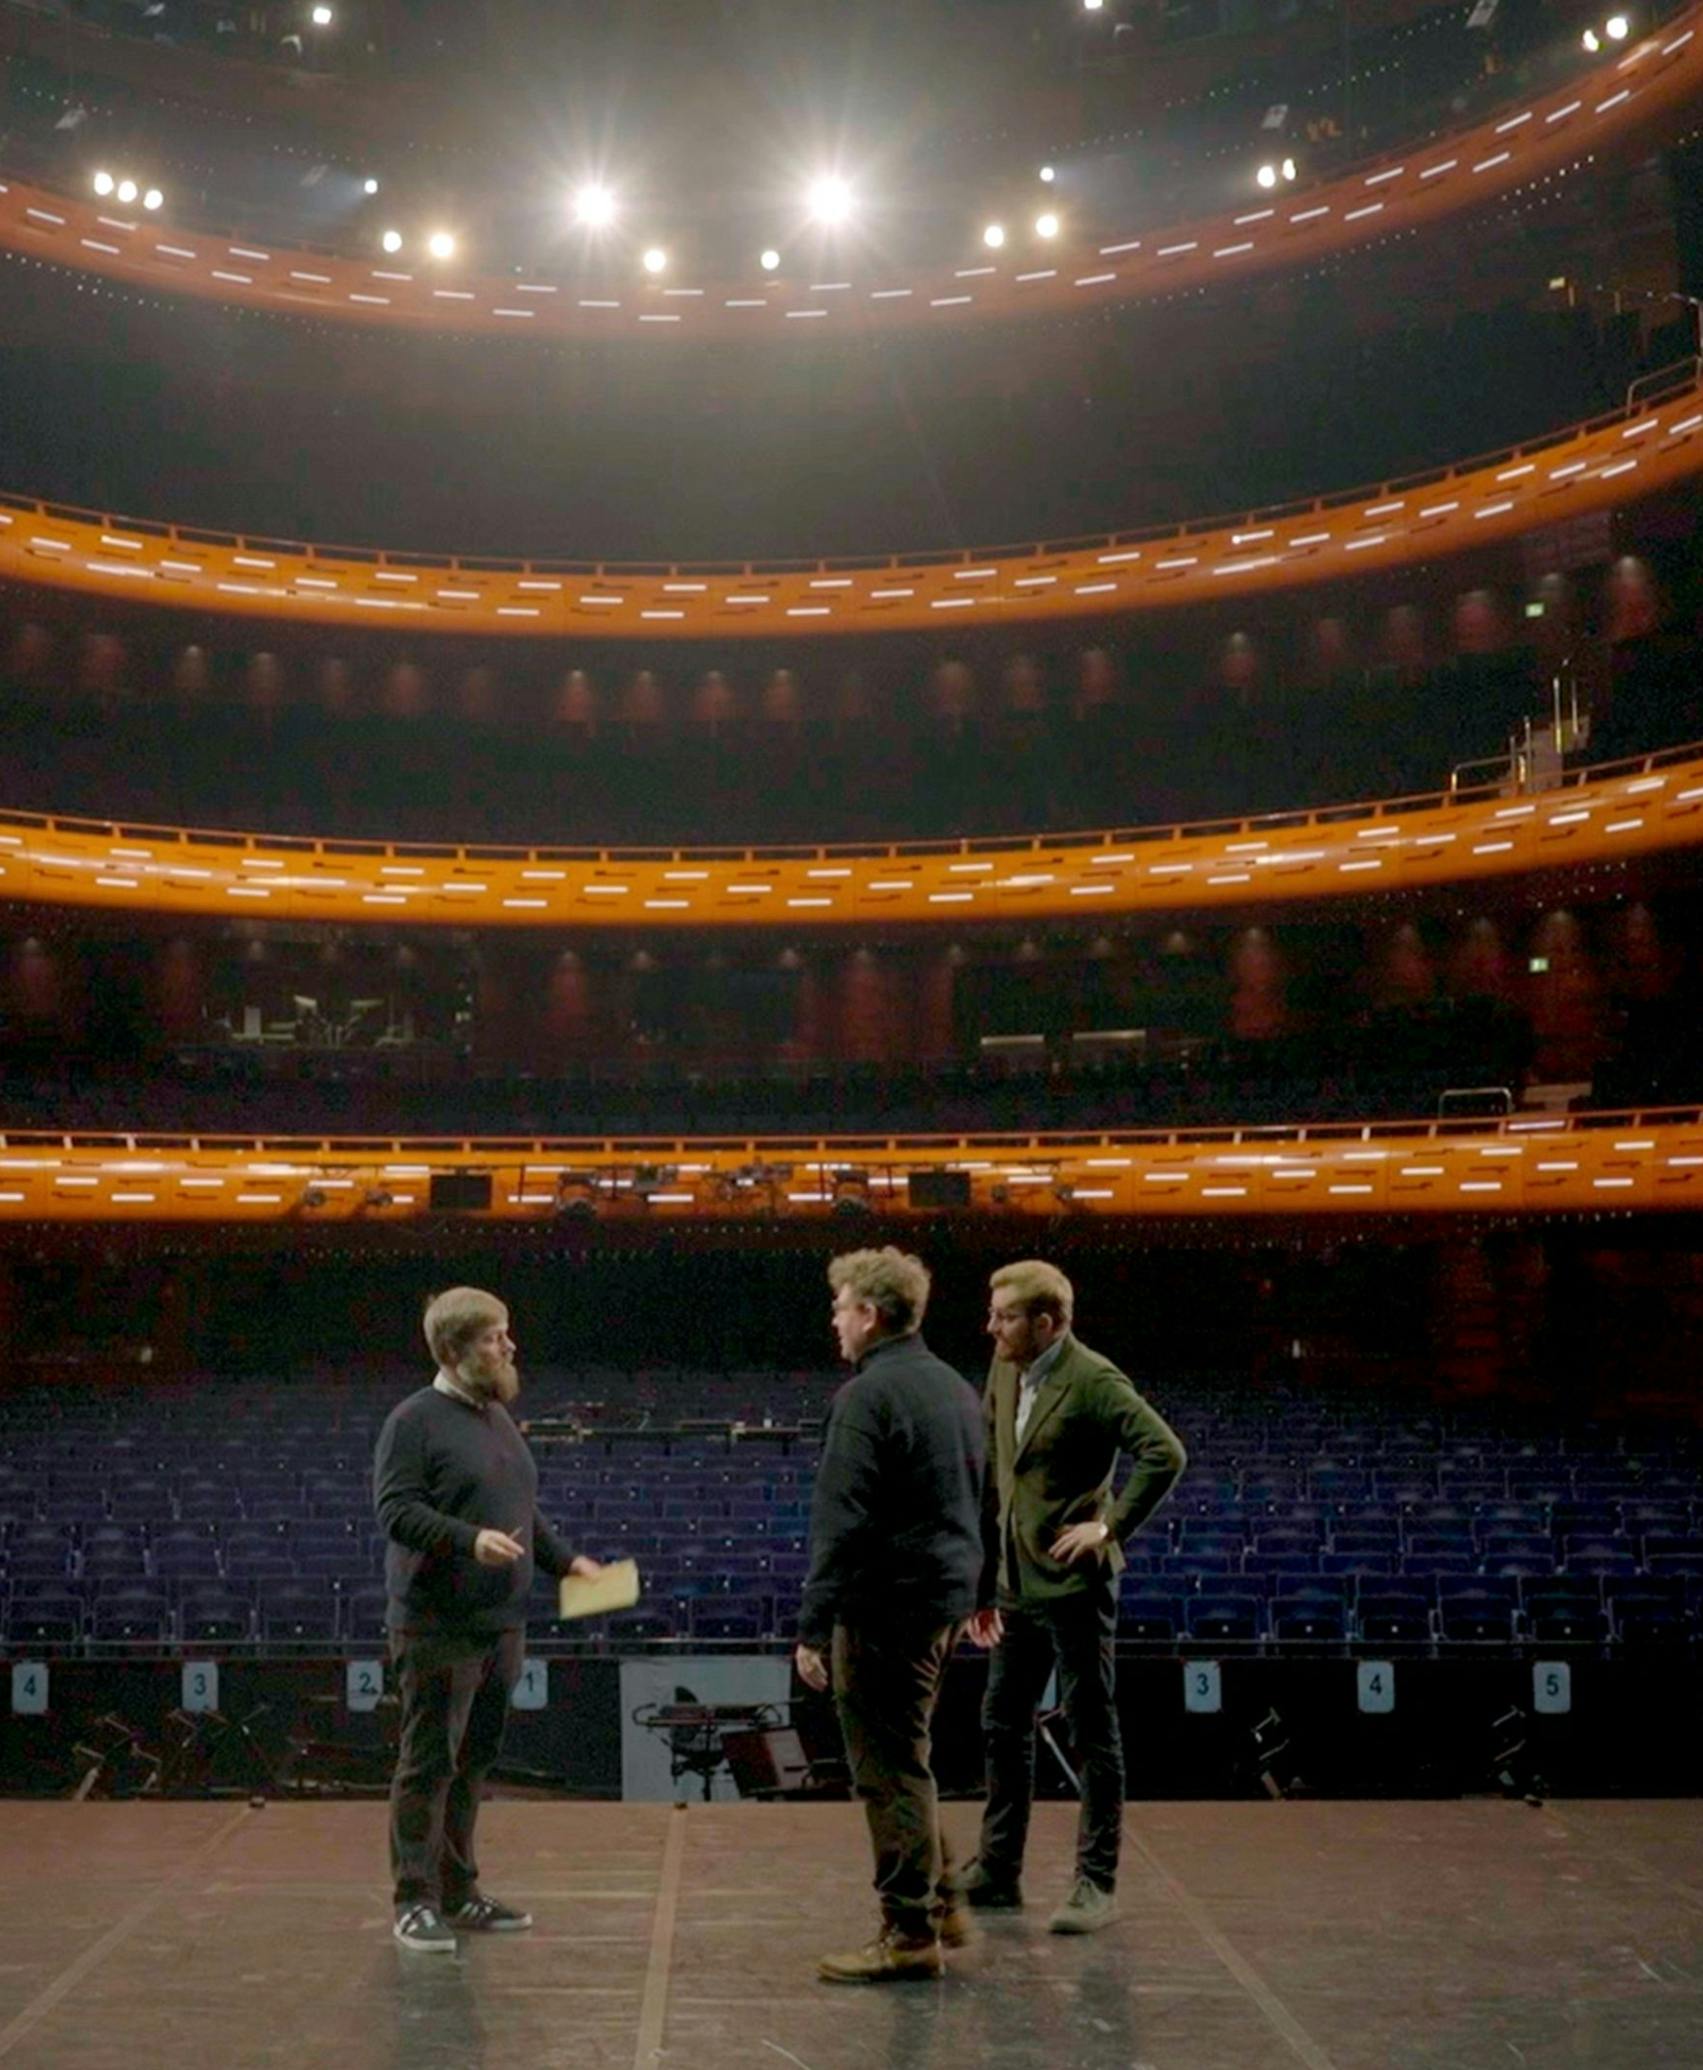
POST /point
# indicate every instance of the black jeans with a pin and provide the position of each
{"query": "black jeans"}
(1074, 1633)
(886, 1684)
(455, 1704)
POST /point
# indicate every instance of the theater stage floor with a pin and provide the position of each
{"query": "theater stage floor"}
(1475, 1936)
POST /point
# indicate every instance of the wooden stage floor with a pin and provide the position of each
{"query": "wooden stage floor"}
(1422, 1936)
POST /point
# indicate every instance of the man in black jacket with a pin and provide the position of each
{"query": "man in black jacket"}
(896, 1560)
(457, 1493)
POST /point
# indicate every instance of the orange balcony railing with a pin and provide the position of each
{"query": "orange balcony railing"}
(1655, 441)
(1632, 97)
(1602, 818)
(1608, 1163)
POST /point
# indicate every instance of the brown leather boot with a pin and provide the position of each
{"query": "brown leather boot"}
(957, 1929)
(893, 1957)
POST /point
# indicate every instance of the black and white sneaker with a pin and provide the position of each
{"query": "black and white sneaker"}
(480, 1914)
(421, 1927)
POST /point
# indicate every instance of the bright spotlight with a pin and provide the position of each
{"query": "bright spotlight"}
(1287, 168)
(1617, 28)
(1267, 176)
(1047, 225)
(1049, 173)
(441, 245)
(153, 199)
(656, 260)
(1592, 41)
(594, 207)
(321, 17)
(1092, 6)
(830, 199)
(369, 185)
(127, 191)
(392, 241)
(994, 236)
(769, 260)
(103, 183)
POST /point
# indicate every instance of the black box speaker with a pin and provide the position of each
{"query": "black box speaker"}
(937, 1189)
(460, 1193)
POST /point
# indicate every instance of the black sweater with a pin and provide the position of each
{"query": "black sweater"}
(896, 1520)
(443, 1472)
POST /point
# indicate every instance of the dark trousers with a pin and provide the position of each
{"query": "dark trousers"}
(455, 1704)
(886, 1684)
(1074, 1633)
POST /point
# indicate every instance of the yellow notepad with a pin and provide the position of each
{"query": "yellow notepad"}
(594, 1595)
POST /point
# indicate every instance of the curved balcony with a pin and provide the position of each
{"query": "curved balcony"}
(1651, 443)
(1608, 1163)
(1596, 818)
(1634, 97)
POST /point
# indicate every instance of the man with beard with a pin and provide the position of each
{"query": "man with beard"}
(457, 1493)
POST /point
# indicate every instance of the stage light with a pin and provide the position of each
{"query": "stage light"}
(441, 245)
(127, 191)
(994, 236)
(1267, 176)
(594, 206)
(1046, 225)
(391, 240)
(1287, 168)
(1092, 6)
(830, 199)
(769, 260)
(321, 17)
(1049, 174)
(369, 185)
(153, 199)
(655, 260)
(103, 183)
(1592, 41)
(1617, 28)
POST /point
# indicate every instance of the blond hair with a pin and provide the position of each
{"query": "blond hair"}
(455, 1318)
(1038, 1288)
(894, 1283)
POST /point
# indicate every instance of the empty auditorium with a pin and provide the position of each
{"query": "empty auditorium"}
(851, 1097)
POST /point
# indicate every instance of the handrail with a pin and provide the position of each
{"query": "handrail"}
(1603, 818)
(1492, 496)
(1628, 97)
(1620, 1160)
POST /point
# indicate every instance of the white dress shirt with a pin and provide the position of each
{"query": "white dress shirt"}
(1029, 1382)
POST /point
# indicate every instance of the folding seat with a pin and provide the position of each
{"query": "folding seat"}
(1558, 1612)
(1376, 1542)
(1481, 1609)
(1227, 1618)
(1649, 1612)
(214, 1618)
(1393, 1613)
(1495, 1545)
(1423, 1540)
(1666, 1553)
(640, 1624)
(1275, 1567)
(1150, 1620)
(43, 1560)
(362, 1615)
(43, 1616)
(1665, 1519)
(179, 1561)
(1314, 1615)
(724, 1621)
(297, 1613)
(135, 1616)
(1359, 1567)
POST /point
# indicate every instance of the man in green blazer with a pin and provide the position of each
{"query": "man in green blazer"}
(1058, 1415)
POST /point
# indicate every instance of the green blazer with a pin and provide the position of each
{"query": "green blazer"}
(1085, 1414)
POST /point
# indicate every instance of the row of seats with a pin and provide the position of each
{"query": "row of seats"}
(1372, 1609)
